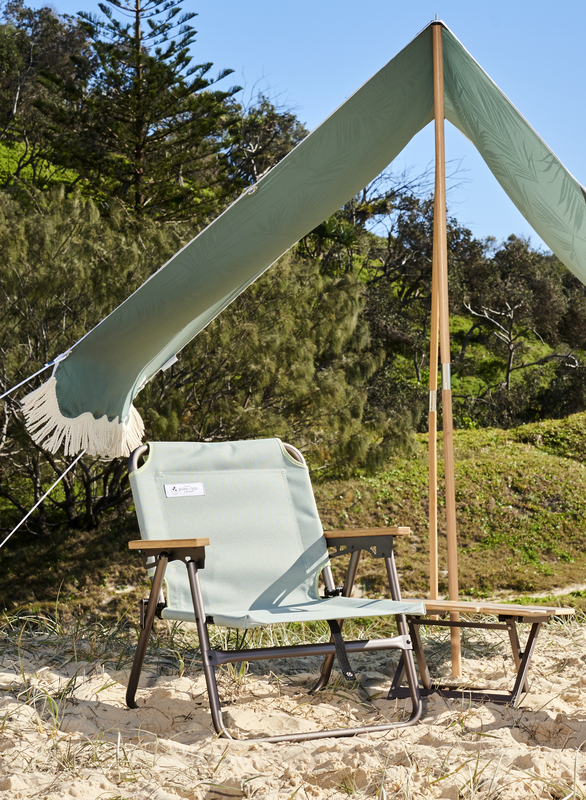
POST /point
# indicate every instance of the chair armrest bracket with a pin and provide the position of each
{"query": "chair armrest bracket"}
(376, 541)
(378, 547)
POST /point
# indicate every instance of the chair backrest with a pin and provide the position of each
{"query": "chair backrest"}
(254, 501)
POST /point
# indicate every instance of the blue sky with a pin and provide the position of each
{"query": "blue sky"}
(311, 56)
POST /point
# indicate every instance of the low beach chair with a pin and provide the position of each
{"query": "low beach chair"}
(234, 533)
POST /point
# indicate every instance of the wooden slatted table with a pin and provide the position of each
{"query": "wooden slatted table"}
(509, 615)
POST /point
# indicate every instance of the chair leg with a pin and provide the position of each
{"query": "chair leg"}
(145, 633)
(328, 664)
(421, 664)
(407, 656)
(214, 698)
(351, 573)
(326, 671)
(419, 655)
(397, 678)
(396, 595)
(392, 576)
(204, 645)
(406, 667)
(411, 675)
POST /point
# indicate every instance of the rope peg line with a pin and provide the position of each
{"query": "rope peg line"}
(54, 363)
(47, 493)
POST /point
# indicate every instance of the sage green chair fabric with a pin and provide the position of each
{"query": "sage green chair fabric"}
(255, 503)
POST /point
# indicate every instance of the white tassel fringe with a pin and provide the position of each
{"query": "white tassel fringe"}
(100, 437)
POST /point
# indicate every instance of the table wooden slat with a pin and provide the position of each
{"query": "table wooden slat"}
(366, 532)
(476, 607)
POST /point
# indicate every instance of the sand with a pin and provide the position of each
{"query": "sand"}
(65, 731)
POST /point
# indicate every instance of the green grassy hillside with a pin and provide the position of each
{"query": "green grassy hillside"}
(521, 510)
(521, 505)
(15, 158)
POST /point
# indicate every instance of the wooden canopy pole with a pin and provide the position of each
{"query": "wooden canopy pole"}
(440, 247)
(432, 427)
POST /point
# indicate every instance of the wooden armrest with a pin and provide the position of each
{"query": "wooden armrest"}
(358, 533)
(165, 544)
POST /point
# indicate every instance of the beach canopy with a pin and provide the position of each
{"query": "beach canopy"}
(87, 403)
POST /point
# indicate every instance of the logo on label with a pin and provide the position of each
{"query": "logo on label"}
(184, 489)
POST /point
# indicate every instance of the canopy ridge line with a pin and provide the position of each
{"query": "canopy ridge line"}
(47, 493)
(440, 265)
(52, 363)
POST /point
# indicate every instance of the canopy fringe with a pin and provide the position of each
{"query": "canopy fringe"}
(100, 437)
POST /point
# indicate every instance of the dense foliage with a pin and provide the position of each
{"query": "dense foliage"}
(290, 357)
(33, 42)
(518, 331)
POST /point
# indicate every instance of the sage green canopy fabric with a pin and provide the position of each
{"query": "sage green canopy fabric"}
(87, 403)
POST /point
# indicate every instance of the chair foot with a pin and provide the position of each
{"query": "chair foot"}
(326, 671)
(139, 656)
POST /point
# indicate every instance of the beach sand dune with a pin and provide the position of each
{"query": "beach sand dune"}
(65, 731)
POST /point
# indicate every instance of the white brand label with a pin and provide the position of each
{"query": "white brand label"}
(183, 489)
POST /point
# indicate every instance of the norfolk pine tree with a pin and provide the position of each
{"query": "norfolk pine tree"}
(145, 126)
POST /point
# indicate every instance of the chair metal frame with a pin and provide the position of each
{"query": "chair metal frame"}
(379, 542)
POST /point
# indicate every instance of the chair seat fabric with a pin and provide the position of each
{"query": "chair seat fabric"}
(321, 609)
